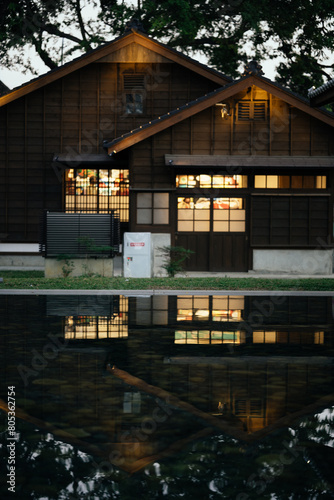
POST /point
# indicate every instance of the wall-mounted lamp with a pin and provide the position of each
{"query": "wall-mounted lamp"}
(225, 109)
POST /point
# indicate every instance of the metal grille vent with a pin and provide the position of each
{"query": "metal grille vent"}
(134, 81)
(259, 112)
(251, 111)
(79, 235)
(244, 109)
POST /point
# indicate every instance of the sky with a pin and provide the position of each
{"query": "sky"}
(13, 78)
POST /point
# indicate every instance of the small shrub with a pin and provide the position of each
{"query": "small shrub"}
(68, 264)
(175, 257)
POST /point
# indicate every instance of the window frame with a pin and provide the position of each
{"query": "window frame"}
(152, 206)
(78, 200)
(134, 93)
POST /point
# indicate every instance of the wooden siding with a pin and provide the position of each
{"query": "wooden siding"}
(287, 131)
(73, 115)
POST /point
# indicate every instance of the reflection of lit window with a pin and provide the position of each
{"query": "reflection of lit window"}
(273, 337)
(218, 308)
(262, 337)
(227, 307)
(319, 337)
(190, 308)
(208, 337)
(211, 181)
(98, 327)
(290, 181)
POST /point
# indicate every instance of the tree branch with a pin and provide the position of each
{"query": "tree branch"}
(43, 54)
(53, 30)
(81, 24)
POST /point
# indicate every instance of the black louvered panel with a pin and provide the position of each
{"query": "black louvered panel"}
(79, 234)
(259, 111)
(134, 81)
(82, 305)
(244, 109)
(115, 231)
(62, 234)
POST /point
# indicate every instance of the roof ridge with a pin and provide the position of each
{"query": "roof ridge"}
(110, 42)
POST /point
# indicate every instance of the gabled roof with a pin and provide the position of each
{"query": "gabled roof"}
(322, 95)
(111, 47)
(179, 114)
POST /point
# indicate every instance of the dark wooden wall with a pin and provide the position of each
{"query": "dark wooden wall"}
(73, 115)
(287, 131)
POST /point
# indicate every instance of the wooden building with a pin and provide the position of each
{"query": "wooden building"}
(239, 171)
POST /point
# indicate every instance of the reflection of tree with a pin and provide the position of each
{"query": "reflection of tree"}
(215, 468)
(48, 468)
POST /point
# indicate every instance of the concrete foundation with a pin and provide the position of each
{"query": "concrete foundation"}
(293, 261)
(78, 267)
(22, 262)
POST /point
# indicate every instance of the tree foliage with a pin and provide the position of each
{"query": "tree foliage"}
(228, 32)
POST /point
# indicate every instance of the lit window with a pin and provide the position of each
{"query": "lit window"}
(229, 215)
(193, 214)
(97, 191)
(211, 181)
(290, 181)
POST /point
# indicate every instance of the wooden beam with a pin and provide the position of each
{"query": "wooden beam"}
(249, 161)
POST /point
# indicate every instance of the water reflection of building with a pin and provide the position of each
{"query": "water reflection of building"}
(236, 319)
(93, 327)
(247, 384)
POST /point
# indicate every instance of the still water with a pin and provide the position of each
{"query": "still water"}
(179, 396)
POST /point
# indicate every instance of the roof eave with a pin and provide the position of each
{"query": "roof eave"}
(119, 144)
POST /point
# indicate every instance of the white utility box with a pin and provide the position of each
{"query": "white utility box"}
(137, 255)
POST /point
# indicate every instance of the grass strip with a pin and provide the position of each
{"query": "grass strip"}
(36, 280)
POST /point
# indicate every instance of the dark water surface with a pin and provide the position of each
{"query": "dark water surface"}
(163, 397)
